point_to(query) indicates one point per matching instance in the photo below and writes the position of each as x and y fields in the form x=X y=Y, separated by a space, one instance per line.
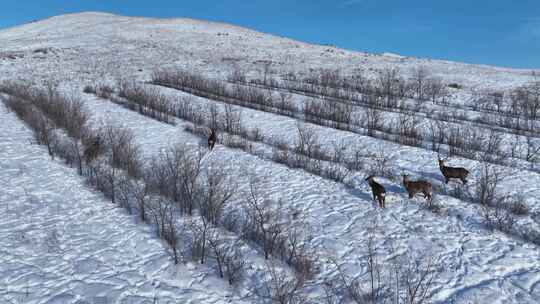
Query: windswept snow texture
x=63 y=243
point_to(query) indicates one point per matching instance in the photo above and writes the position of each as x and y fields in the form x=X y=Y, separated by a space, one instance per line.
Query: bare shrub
x=285 y=104
x=456 y=141
x=486 y=189
x=420 y=75
x=232 y=119
x=435 y=90
x=147 y=101
x=408 y=130
x=533 y=150
x=217 y=190
x=263 y=224
x=373 y=120
x=497 y=217
x=175 y=174
x=307 y=141
x=406 y=279
x=338 y=150
x=164 y=213
x=437 y=134
x=237 y=76
x=229 y=260
x=296 y=252
x=234 y=264
x=331 y=171
x=282 y=288
x=126 y=188
x=387 y=82
x=493 y=148
x=67 y=112
x=169 y=232
x=142 y=199
x=381 y=165
x=516 y=205
x=201 y=230
x=417 y=278
x=89 y=89
x=214 y=117
x=105 y=178
x=121 y=149
x=104 y=91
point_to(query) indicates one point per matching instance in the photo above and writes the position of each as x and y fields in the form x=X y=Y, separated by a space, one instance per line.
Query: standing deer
x=419 y=186
x=453 y=172
x=379 y=193
x=92 y=150
x=212 y=139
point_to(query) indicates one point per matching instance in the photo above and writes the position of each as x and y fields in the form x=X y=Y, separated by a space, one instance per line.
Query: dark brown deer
x=212 y=139
x=92 y=150
x=379 y=193
x=453 y=172
x=419 y=186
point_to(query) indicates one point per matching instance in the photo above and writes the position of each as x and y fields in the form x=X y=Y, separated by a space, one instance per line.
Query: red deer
x=419 y=186
x=212 y=139
x=379 y=193
x=453 y=172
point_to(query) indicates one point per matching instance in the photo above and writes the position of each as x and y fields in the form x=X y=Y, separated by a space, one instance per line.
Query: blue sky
x=495 y=32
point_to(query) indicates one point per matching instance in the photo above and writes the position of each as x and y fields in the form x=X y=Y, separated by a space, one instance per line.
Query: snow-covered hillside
x=64 y=242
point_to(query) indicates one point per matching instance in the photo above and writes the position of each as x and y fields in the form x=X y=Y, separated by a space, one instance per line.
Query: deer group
x=418 y=186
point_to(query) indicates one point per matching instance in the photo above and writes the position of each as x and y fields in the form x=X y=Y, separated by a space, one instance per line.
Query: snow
x=63 y=242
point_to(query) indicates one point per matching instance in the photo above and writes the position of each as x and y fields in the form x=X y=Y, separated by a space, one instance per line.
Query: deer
x=92 y=150
x=419 y=186
x=453 y=172
x=379 y=193
x=212 y=139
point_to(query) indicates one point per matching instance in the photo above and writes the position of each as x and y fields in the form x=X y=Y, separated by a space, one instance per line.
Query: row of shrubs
x=498 y=211
x=266 y=222
x=390 y=85
x=176 y=175
x=373 y=119
x=389 y=102
x=110 y=161
x=306 y=154
x=406 y=129
x=159 y=108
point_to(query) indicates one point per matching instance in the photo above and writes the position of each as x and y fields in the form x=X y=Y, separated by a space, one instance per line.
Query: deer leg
x=428 y=197
x=383 y=201
x=464 y=180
